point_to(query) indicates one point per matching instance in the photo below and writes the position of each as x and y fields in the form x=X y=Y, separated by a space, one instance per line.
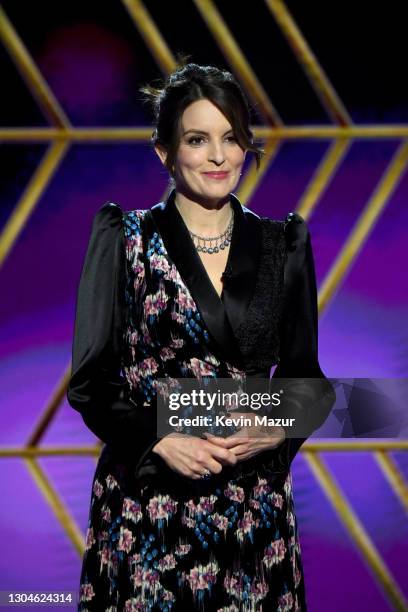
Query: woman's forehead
x=204 y=115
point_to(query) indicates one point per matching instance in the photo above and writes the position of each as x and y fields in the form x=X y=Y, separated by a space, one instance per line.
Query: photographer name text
x=225 y=421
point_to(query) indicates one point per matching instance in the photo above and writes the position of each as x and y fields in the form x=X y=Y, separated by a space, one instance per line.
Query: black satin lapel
x=182 y=252
x=243 y=263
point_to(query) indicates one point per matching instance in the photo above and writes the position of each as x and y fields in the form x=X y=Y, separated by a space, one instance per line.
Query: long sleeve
x=307 y=392
x=97 y=388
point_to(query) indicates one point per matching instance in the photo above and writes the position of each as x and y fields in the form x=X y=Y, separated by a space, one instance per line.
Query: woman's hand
x=193 y=457
x=249 y=441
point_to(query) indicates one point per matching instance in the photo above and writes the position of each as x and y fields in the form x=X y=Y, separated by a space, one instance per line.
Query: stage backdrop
x=326 y=82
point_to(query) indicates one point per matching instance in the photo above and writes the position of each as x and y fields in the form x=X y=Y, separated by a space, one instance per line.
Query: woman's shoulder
x=293 y=227
x=114 y=210
x=112 y=215
x=291 y=220
x=112 y=224
x=108 y=213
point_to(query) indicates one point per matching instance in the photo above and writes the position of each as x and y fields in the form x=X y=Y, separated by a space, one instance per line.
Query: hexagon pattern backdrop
x=76 y=135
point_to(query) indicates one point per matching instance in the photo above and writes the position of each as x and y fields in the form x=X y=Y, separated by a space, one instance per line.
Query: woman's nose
x=216 y=153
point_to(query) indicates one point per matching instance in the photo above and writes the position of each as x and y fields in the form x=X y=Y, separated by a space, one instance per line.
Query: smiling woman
x=204 y=150
x=196 y=286
x=190 y=85
x=206 y=169
x=209 y=158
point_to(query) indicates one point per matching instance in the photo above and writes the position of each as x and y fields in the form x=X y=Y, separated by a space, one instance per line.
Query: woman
x=197 y=286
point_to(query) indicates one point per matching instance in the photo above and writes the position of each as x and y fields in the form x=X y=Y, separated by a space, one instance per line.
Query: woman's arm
x=97 y=388
x=308 y=394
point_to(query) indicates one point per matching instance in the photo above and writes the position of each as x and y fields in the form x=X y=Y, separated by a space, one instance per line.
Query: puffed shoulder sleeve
x=299 y=329
x=309 y=394
x=97 y=388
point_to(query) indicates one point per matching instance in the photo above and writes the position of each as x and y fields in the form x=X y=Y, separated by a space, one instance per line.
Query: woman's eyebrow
x=203 y=132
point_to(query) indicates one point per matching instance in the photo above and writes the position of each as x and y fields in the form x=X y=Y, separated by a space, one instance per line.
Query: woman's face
x=209 y=159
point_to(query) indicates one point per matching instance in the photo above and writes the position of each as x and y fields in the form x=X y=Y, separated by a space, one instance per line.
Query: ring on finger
x=207 y=474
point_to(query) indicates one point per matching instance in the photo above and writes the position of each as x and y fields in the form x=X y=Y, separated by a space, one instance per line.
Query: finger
x=228 y=442
x=195 y=476
x=199 y=471
x=236 y=439
x=222 y=454
x=214 y=466
x=240 y=449
x=215 y=439
x=189 y=473
x=244 y=457
x=205 y=473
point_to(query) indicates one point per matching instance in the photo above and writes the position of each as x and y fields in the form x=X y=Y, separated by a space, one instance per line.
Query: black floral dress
x=146 y=310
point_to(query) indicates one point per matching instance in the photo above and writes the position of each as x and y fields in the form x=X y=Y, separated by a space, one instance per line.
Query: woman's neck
x=204 y=220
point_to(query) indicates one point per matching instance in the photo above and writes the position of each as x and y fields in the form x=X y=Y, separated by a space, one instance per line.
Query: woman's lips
x=216 y=175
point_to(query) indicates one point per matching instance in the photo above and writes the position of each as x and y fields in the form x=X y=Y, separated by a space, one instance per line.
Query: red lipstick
x=217 y=175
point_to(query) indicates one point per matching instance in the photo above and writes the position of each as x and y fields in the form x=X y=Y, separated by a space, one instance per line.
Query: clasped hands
x=195 y=457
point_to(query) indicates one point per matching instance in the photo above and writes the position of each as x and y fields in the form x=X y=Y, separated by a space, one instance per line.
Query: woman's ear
x=161 y=152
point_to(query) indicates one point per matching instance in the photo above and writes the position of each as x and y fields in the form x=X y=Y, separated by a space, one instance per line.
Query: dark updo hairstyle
x=187 y=84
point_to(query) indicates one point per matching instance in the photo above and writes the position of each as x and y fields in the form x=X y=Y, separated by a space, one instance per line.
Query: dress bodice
x=146 y=310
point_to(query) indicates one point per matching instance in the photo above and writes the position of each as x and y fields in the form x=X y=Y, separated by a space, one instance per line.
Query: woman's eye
x=194 y=139
x=198 y=139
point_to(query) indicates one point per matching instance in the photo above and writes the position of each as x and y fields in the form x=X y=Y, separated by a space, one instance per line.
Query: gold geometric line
x=253 y=176
x=127 y=134
x=370 y=444
x=57 y=506
x=30 y=73
x=322 y=177
x=314 y=446
x=229 y=47
x=151 y=35
x=309 y=62
x=394 y=476
x=357 y=531
x=51 y=409
x=312 y=131
x=364 y=225
x=76 y=135
x=22 y=452
x=25 y=206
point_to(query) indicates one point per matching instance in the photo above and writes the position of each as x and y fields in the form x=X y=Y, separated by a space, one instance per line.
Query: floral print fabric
x=233 y=548
x=227 y=544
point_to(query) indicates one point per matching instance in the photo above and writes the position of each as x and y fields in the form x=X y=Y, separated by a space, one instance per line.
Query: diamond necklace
x=213 y=244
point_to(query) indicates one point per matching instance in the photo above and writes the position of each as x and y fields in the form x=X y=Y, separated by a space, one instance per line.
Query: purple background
x=94 y=62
